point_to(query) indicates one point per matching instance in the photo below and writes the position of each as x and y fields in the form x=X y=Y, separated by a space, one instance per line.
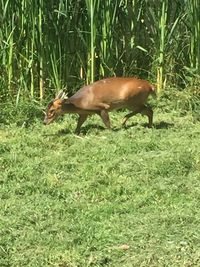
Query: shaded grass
x=74 y=201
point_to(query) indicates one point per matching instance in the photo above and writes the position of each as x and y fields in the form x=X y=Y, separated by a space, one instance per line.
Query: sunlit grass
x=127 y=197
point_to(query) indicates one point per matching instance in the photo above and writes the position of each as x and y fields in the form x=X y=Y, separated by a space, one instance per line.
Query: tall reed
x=46 y=46
x=194 y=27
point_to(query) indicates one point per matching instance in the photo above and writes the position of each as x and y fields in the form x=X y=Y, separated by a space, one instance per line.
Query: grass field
x=121 y=198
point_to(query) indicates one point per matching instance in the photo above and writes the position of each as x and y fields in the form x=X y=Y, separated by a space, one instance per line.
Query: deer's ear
x=61 y=95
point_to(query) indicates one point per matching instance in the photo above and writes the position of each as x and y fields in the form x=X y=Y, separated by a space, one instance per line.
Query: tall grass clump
x=192 y=69
x=47 y=46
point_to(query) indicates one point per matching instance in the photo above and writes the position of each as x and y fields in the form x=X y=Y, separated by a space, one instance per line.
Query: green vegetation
x=122 y=198
x=49 y=45
x=127 y=197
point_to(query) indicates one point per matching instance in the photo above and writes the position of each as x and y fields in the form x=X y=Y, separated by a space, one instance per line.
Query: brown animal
x=101 y=97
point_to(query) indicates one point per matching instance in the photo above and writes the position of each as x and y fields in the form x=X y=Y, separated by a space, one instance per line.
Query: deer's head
x=54 y=108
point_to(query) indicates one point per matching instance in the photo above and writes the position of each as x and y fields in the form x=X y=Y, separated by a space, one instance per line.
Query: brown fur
x=104 y=96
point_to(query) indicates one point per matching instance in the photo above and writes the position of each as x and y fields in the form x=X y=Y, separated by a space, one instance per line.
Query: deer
x=101 y=97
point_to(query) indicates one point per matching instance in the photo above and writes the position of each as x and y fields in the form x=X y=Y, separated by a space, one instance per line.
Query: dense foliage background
x=55 y=44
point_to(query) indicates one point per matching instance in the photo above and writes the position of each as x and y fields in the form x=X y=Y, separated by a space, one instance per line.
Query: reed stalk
x=194 y=26
x=40 y=32
x=161 y=59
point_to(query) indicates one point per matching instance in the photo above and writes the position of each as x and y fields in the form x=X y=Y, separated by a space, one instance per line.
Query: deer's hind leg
x=144 y=110
x=149 y=113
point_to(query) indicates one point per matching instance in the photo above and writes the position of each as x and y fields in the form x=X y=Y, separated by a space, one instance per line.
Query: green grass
x=71 y=201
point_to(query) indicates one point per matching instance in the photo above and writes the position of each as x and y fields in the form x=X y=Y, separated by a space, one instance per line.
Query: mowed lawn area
x=121 y=198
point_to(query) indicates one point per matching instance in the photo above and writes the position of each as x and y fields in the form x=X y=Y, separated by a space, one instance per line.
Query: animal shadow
x=159 y=125
x=84 y=130
x=63 y=132
x=88 y=127
x=163 y=125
